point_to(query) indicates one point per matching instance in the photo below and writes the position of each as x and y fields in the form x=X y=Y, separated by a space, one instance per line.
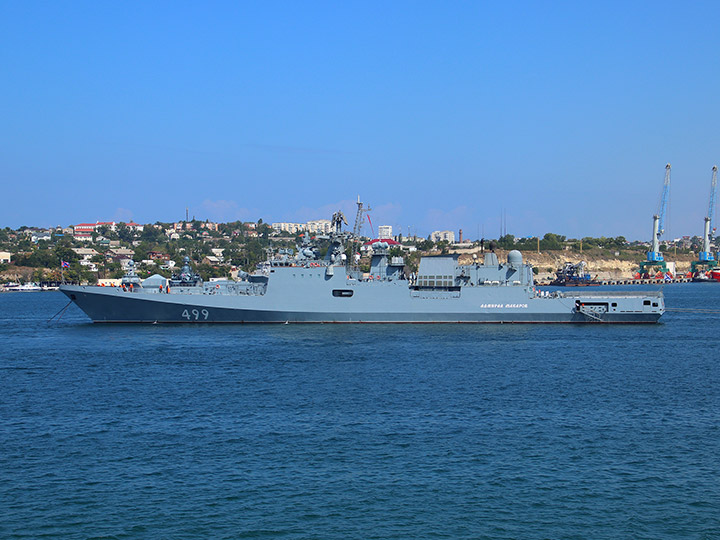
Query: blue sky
x=438 y=114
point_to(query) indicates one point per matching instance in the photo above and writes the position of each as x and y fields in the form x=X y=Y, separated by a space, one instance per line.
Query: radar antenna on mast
x=338 y=218
x=362 y=210
x=359 y=217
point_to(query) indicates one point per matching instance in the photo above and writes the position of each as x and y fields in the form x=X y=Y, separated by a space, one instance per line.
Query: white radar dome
x=515 y=258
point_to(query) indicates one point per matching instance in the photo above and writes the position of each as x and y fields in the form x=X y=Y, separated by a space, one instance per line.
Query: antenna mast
x=359 y=218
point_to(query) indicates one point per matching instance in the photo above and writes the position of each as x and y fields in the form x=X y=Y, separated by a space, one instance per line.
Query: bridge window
x=342 y=293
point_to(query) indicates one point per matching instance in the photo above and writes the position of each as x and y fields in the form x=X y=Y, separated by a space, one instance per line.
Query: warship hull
x=369 y=303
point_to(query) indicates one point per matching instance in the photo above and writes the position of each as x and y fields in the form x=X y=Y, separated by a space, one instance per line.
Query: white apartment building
x=85 y=253
x=438 y=236
x=135 y=226
x=319 y=226
x=385 y=232
x=83 y=231
x=38 y=236
x=291 y=228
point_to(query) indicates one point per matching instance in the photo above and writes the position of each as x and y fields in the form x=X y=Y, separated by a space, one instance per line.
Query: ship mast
x=359 y=218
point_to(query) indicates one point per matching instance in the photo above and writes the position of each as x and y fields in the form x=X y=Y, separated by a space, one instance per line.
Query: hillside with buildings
x=87 y=252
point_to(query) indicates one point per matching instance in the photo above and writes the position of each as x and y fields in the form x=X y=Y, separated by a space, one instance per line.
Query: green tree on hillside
x=125 y=233
x=551 y=242
x=506 y=241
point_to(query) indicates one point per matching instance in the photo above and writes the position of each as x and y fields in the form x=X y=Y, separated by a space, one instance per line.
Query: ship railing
x=252 y=290
x=612 y=294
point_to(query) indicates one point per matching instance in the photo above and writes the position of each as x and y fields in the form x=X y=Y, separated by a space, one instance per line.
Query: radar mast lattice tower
x=359 y=217
x=353 y=260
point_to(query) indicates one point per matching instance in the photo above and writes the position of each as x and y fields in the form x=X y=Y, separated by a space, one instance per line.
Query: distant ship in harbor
x=708 y=276
x=574 y=275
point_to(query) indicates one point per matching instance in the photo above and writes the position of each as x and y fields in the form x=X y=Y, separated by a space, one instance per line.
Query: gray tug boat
x=297 y=286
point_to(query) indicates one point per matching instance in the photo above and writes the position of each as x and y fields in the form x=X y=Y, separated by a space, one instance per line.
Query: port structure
x=655 y=262
x=706 y=260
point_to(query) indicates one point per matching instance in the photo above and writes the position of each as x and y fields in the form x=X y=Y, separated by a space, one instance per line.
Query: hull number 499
x=195 y=314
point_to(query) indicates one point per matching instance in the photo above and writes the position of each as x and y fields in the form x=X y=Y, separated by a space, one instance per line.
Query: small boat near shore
x=25 y=287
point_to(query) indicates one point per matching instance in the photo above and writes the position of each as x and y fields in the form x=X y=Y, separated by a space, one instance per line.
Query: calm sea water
x=325 y=431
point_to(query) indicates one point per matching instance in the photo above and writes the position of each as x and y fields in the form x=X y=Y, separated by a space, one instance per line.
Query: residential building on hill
x=83 y=236
x=135 y=226
x=316 y=226
x=157 y=256
x=37 y=236
x=321 y=226
x=83 y=231
x=85 y=254
x=292 y=228
x=385 y=232
x=439 y=236
x=118 y=253
x=212 y=260
x=83 y=228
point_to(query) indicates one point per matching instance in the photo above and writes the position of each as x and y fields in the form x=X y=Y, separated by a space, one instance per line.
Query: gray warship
x=299 y=286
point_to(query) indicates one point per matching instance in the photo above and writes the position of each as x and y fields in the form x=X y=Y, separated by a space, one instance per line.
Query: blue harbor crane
x=655 y=260
x=706 y=260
